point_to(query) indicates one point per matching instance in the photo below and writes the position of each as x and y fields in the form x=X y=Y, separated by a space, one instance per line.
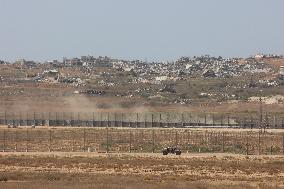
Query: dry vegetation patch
x=140 y=171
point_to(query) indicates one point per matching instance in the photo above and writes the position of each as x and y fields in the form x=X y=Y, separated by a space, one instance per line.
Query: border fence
x=139 y=140
x=141 y=120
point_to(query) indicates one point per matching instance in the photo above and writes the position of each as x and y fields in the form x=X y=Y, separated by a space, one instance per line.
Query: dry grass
x=139 y=171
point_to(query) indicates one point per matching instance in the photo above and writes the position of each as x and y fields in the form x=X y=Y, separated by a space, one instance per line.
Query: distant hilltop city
x=188 y=80
x=206 y=66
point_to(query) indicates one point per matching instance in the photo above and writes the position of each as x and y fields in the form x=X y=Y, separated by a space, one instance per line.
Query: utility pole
x=260 y=114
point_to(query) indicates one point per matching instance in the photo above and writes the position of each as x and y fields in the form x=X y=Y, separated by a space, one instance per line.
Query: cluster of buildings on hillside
x=155 y=72
x=207 y=65
x=153 y=80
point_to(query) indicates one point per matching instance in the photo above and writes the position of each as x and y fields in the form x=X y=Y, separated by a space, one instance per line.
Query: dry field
x=93 y=170
x=58 y=158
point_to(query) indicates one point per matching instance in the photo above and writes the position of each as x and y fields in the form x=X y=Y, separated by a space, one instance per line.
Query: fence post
x=108 y=123
x=34 y=121
x=145 y=120
x=182 y=120
x=42 y=119
x=228 y=117
x=5 y=118
x=107 y=139
x=63 y=119
x=271 y=144
x=115 y=118
x=153 y=140
x=84 y=140
x=187 y=136
x=259 y=142
x=101 y=119
x=49 y=119
x=16 y=140
x=122 y=117
x=4 y=140
x=160 y=120
x=152 y=119
x=187 y=140
x=137 y=119
x=73 y=141
x=247 y=144
x=50 y=140
x=213 y=120
x=27 y=142
x=223 y=142
x=20 y=122
x=130 y=138
x=283 y=142
x=176 y=139
x=274 y=122
x=13 y=119
x=267 y=122
x=79 y=119
x=205 y=119
x=198 y=120
x=93 y=119
x=56 y=118
x=27 y=118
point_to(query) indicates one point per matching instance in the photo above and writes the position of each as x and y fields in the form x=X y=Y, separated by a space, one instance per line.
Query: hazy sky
x=152 y=29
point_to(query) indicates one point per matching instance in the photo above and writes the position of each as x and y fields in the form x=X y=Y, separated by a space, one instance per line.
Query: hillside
x=205 y=83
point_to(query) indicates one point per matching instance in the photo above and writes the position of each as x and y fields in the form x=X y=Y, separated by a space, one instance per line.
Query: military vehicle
x=171 y=150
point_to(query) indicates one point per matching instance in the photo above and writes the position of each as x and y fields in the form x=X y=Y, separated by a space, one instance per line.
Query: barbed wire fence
x=139 y=140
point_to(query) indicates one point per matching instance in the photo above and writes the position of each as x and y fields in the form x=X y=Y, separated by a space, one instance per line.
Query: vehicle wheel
x=178 y=153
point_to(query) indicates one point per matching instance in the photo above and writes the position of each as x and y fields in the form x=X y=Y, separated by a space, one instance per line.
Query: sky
x=152 y=30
